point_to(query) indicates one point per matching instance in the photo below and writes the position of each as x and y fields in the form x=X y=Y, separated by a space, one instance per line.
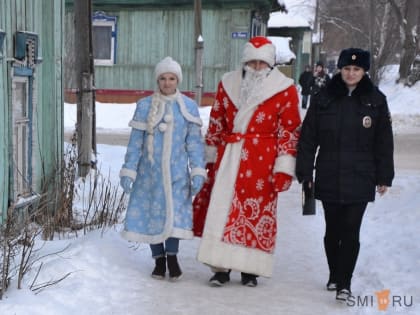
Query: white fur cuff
x=285 y=164
x=127 y=172
x=137 y=125
x=199 y=171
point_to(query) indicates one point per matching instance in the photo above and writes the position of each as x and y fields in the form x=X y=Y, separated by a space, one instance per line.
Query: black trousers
x=341 y=240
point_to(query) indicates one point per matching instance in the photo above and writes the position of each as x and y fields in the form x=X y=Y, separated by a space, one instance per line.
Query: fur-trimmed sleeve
x=137 y=136
x=289 y=131
x=217 y=125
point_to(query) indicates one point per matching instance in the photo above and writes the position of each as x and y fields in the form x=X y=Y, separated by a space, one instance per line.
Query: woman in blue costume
x=163 y=169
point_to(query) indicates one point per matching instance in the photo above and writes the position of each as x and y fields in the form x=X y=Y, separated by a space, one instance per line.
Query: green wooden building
x=31 y=98
x=131 y=36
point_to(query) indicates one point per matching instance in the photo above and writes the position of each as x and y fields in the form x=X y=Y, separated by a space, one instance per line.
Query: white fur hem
x=218 y=254
x=285 y=164
x=127 y=172
x=156 y=239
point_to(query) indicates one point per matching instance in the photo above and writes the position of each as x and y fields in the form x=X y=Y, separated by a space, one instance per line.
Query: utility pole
x=316 y=51
x=371 y=47
x=85 y=84
x=199 y=50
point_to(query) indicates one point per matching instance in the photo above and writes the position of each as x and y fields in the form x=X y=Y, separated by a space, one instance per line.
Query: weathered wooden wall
x=44 y=17
x=145 y=36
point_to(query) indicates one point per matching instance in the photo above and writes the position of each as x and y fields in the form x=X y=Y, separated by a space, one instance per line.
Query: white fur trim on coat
x=127 y=172
x=141 y=238
x=285 y=164
x=185 y=112
x=199 y=171
x=137 y=125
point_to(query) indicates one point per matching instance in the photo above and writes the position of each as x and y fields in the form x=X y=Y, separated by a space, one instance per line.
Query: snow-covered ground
x=112 y=276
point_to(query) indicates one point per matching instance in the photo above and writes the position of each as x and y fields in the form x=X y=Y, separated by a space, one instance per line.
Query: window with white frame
x=104 y=31
x=21 y=135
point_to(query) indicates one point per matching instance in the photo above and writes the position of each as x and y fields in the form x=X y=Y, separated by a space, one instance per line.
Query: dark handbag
x=308 y=198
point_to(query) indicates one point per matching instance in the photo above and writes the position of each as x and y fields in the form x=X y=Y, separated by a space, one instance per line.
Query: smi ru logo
x=382 y=300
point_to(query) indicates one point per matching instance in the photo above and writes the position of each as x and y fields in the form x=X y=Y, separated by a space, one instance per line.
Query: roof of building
x=280 y=19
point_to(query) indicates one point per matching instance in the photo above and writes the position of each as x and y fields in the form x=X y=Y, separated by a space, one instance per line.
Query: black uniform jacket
x=351 y=139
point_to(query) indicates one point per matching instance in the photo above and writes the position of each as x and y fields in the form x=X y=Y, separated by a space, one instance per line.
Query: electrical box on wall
x=26 y=47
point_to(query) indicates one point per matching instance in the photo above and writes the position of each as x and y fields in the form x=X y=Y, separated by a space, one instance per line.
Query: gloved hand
x=307 y=187
x=126 y=184
x=281 y=182
x=196 y=184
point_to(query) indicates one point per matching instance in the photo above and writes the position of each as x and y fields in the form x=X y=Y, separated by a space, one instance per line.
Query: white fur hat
x=259 y=48
x=166 y=65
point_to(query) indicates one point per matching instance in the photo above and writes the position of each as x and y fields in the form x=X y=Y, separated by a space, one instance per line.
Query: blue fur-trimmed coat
x=160 y=204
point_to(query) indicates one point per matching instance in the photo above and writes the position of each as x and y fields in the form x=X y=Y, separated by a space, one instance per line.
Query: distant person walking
x=321 y=78
x=306 y=80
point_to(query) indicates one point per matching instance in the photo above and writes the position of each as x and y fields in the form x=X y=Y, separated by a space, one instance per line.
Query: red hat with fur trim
x=259 y=48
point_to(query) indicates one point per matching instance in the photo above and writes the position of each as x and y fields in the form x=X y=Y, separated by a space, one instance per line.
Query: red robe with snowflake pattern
x=249 y=146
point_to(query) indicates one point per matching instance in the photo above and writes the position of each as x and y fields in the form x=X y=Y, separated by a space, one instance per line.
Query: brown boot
x=175 y=272
x=160 y=268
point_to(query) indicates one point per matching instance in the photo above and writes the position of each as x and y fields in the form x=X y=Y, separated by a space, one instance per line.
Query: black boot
x=175 y=272
x=160 y=268
x=220 y=278
x=248 y=279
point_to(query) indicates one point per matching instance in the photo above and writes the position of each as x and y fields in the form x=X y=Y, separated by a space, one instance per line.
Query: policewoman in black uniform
x=347 y=138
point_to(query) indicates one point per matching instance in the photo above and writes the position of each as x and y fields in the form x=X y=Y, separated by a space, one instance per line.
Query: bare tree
x=371 y=25
x=385 y=42
x=408 y=16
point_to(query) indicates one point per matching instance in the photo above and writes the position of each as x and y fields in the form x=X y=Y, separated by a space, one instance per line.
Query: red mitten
x=282 y=182
x=201 y=202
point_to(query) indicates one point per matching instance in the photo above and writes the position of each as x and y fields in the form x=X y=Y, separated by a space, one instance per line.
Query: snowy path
x=112 y=276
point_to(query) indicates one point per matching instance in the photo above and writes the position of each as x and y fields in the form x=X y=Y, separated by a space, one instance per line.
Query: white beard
x=252 y=85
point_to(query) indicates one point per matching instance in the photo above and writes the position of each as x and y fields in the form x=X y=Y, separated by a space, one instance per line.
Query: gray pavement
x=407 y=151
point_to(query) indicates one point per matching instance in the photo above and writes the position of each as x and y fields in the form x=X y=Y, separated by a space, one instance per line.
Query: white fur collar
x=274 y=83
